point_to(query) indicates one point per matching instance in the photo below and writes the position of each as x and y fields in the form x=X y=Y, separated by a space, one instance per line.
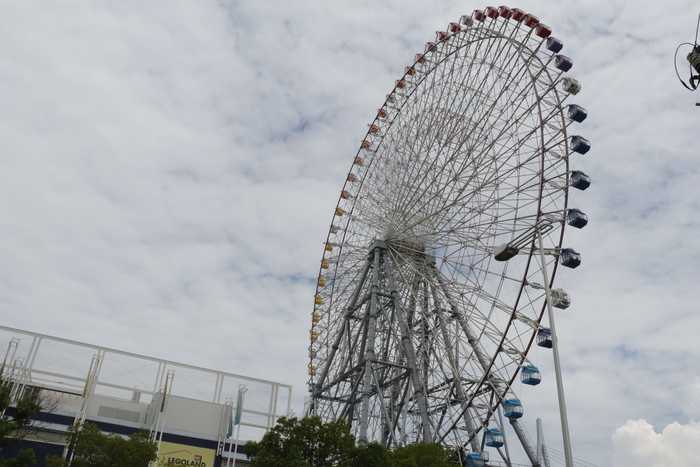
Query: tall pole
x=239 y=414
x=557 y=366
x=540 y=440
x=505 y=438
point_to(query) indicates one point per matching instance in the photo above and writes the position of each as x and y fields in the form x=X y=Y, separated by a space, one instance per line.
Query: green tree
x=372 y=455
x=25 y=458
x=421 y=455
x=92 y=448
x=15 y=428
x=306 y=442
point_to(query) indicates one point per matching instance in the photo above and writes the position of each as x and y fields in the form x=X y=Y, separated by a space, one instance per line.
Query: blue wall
x=41 y=450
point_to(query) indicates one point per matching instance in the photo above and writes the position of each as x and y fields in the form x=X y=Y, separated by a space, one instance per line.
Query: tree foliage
x=372 y=455
x=25 y=458
x=421 y=455
x=15 y=427
x=18 y=425
x=92 y=448
x=308 y=442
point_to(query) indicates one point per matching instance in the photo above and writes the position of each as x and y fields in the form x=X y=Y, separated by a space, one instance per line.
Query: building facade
x=196 y=415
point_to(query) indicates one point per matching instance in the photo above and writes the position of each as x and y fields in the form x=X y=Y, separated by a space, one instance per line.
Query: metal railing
x=62 y=365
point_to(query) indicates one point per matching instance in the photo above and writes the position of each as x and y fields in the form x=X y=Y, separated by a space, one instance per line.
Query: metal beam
x=524 y=441
x=459 y=317
x=456 y=377
x=568 y=456
x=410 y=352
x=336 y=343
x=505 y=438
x=369 y=355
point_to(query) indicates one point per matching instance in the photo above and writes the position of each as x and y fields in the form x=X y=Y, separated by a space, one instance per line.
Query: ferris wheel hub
x=407 y=246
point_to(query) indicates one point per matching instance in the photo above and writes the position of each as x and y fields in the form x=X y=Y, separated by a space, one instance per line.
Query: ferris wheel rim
x=540 y=214
x=539 y=211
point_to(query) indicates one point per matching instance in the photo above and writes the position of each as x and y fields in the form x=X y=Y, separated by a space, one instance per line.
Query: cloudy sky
x=170 y=170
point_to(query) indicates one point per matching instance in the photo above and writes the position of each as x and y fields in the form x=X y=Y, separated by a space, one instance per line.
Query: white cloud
x=169 y=169
x=636 y=443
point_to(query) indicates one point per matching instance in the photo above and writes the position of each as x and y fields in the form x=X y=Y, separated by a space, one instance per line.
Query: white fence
x=63 y=365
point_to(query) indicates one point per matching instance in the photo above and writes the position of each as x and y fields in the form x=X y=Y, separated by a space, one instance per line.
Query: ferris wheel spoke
x=488 y=228
x=467 y=74
x=434 y=161
x=465 y=327
x=421 y=108
x=480 y=92
x=483 y=82
x=485 y=321
x=518 y=223
x=516 y=121
x=454 y=202
x=457 y=202
x=420 y=116
x=533 y=157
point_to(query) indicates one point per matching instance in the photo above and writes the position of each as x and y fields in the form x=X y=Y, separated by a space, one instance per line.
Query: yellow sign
x=181 y=455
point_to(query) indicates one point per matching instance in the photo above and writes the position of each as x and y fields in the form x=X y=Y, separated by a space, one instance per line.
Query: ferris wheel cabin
x=576 y=218
x=563 y=63
x=530 y=374
x=571 y=85
x=493 y=438
x=477 y=459
x=579 y=180
x=513 y=408
x=580 y=144
x=544 y=338
x=570 y=258
x=576 y=113
x=560 y=299
x=554 y=44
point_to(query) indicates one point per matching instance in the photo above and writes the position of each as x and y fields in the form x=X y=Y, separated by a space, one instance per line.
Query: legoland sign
x=181 y=455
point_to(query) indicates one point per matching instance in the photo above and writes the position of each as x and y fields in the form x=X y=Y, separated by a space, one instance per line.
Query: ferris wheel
x=440 y=260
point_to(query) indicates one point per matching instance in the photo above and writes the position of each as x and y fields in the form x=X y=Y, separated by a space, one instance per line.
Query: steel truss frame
x=393 y=377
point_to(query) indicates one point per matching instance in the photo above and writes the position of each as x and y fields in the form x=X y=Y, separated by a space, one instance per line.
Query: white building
x=191 y=411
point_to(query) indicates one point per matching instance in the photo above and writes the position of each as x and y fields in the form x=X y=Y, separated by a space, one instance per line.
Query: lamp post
x=510 y=250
